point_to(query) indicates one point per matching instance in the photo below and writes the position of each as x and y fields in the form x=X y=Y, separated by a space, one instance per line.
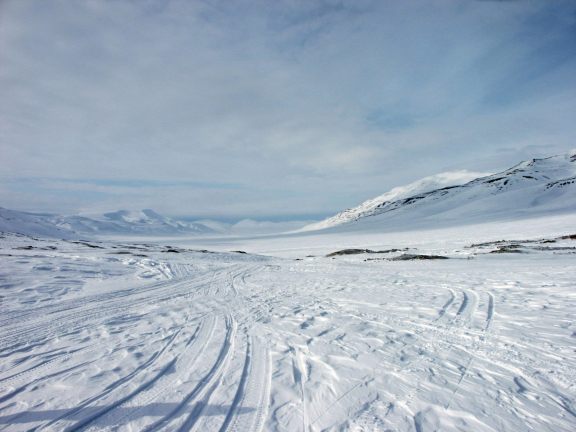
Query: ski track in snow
x=246 y=343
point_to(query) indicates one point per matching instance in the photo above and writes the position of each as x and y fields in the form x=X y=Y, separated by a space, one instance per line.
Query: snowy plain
x=142 y=335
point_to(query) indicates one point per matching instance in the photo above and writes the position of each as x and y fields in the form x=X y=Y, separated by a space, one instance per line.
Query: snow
x=129 y=335
x=143 y=223
x=26 y=223
x=536 y=187
x=121 y=222
x=427 y=184
x=245 y=227
x=254 y=227
x=446 y=309
x=124 y=222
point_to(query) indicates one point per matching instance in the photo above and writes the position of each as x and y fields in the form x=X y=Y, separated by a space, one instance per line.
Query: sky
x=285 y=109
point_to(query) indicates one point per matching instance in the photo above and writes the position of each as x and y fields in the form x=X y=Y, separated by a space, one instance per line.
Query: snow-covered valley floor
x=144 y=337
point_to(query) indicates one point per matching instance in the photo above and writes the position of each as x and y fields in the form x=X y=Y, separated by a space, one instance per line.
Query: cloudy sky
x=272 y=109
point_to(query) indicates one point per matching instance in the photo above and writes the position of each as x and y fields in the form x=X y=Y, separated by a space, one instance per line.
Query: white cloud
x=319 y=104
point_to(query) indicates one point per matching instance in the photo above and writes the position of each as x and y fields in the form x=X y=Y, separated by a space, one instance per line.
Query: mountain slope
x=31 y=224
x=122 y=222
x=531 y=187
x=145 y=222
x=370 y=207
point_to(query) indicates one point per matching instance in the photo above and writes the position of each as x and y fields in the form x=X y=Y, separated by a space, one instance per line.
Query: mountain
x=123 y=222
x=537 y=186
x=145 y=222
x=31 y=224
x=248 y=227
x=418 y=187
x=254 y=227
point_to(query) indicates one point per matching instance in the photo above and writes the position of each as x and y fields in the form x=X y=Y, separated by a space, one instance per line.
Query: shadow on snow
x=155 y=410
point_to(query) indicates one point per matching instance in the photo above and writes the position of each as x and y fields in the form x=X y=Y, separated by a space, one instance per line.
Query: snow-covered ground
x=138 y=336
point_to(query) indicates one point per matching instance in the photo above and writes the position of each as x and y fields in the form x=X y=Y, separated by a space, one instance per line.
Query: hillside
x=534 y=187
x=122 y=222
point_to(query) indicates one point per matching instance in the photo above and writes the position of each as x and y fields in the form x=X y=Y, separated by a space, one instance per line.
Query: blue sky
x=272 y=109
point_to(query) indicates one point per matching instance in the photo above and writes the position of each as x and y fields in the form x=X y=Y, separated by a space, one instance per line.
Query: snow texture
x=361 y=327
x=144 y=336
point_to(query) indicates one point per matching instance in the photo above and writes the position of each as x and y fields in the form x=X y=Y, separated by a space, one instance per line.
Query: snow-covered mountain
x=31 y=224
x=534 y=187
x=247 y=227
x=537 y=186
x=122 y=222
x=146 y=222
x=370 y=207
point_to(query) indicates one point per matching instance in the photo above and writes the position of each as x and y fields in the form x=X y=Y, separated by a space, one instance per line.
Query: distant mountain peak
x=121 y=222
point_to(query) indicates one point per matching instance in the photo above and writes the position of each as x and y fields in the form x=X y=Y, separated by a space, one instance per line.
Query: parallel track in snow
x=318 y=345
x=168 y=378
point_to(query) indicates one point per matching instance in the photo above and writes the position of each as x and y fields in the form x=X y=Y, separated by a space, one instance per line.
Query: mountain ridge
x=122 y=222
x=540 y=178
